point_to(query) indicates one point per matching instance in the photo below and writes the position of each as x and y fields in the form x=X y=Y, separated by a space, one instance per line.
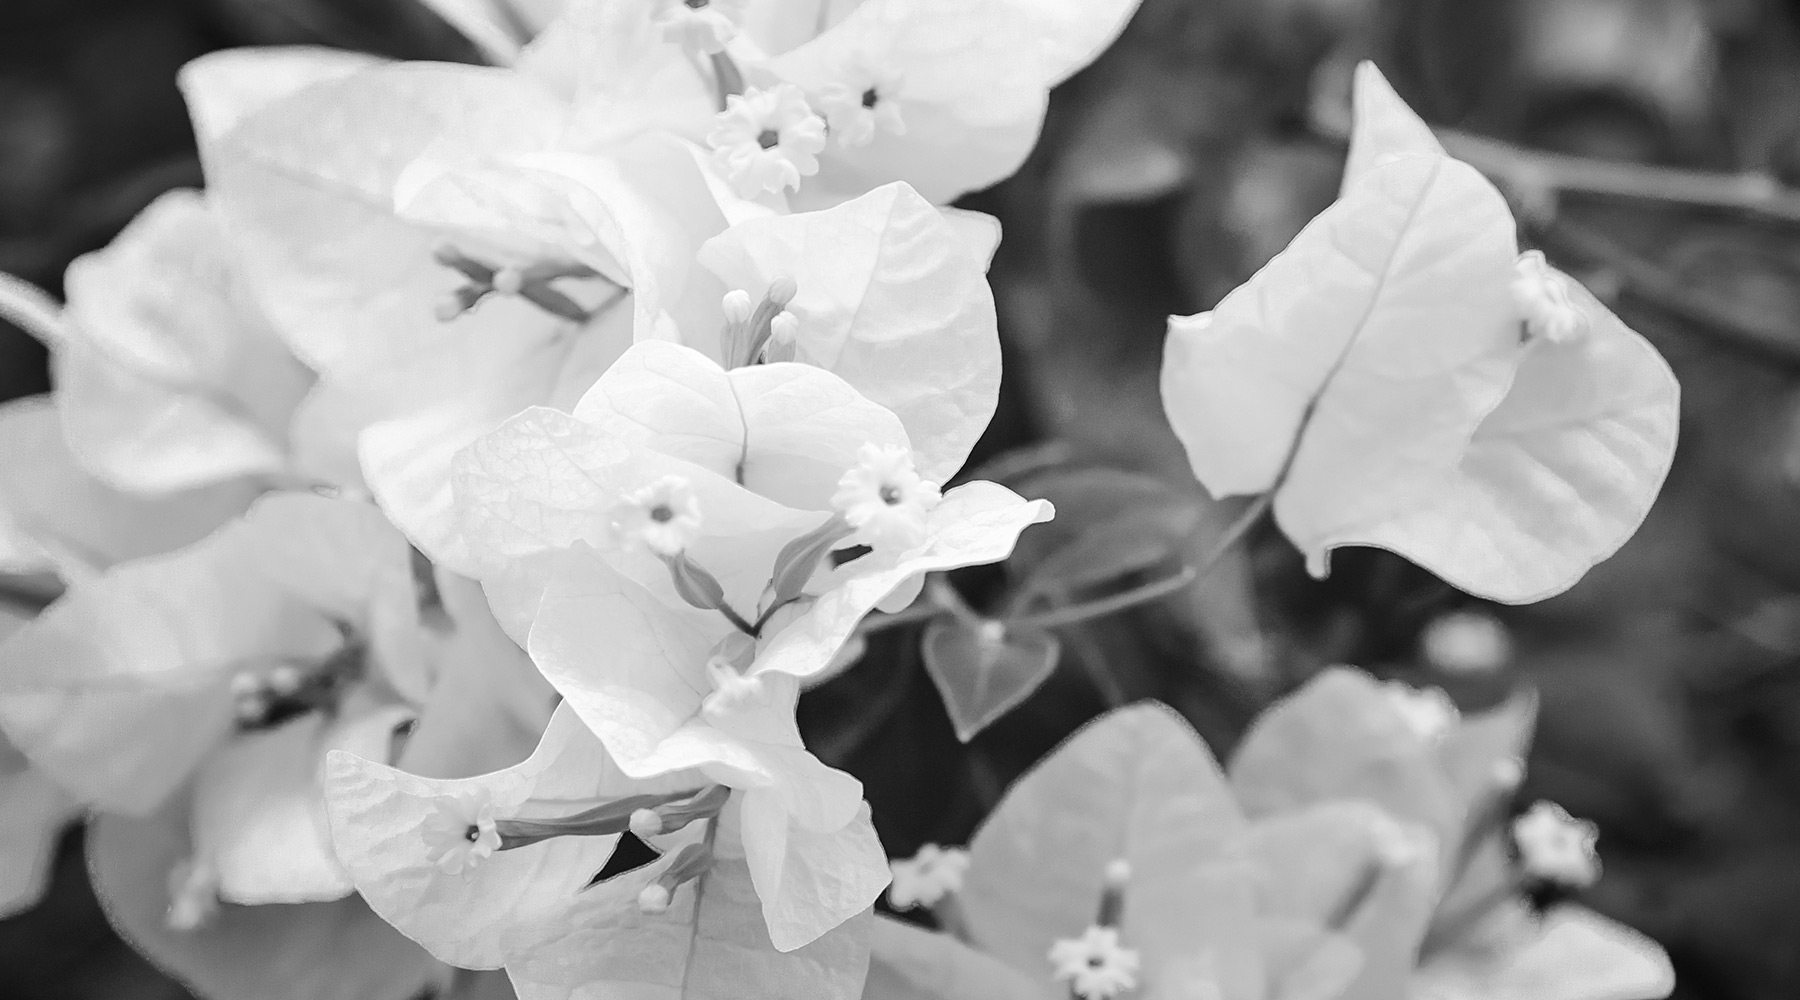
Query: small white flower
x=1094 y=964
x=1466 y=642
x=664 y=516
x=927 y=876
x=1556 y=847
x=461 y=834
x=1428 y=712
x=193 y=895
x=766 y=140
x=1544 y=300
x=702 y=27
x=732 y=691
x=884 y=499
x=865 y=101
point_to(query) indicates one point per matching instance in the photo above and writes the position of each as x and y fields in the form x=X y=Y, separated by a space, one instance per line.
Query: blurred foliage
x=1169 y=171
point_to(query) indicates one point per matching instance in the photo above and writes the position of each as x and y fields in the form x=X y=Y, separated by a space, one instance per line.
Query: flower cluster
x=1340 y=854
x=439 y=517
x=619 y=376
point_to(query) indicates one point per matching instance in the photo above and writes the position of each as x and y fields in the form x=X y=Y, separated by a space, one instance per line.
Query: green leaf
x=1137 y=784
x=983 y=674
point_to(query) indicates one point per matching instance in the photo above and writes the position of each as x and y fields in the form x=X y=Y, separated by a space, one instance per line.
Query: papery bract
x=889 y=299
x=1386 y=338
x=170 y=378
x=532 y=908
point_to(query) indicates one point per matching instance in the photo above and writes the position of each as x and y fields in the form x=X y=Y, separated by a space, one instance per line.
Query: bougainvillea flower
x=169 y=377
x=1400 y=376
x=946 y=95
x=530 y=902
x=1130 y=845
x=232 y=666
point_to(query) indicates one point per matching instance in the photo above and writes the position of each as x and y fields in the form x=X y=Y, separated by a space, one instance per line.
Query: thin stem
x=1548 y=174
x=31 y=309
x=1072 y=613
x=1246 y=520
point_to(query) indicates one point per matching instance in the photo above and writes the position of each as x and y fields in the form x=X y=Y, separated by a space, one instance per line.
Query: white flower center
x=663 y=517
x=461 y=833
x=766 y=140
x=884 y=499
x=1095 y=965
x=863 y=102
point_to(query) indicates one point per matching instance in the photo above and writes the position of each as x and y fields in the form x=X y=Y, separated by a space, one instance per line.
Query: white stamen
x=737 y=306
x=645 y=823
x=653 y=899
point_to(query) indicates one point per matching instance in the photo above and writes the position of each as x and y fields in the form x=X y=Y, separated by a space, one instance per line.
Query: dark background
x=1168 y=172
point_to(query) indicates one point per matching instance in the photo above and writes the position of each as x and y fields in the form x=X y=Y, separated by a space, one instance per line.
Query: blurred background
x=1169 y=171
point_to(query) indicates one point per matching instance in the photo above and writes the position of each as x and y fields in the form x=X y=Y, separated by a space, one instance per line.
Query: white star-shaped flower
x=461 y=834
x=1543 y=298
x=864 y=102
x=927 y=876
x=664 y=516
x=1095 y=965
x=766 y=140
x=1556 y=847
x=884 y=499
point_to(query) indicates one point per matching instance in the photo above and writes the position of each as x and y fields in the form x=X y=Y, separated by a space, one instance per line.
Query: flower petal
x=976 y=523
x=810 y=881
x=377 y=813
x=710 y=943
x=309 y=951
x=1137 y=784
x=891 y=300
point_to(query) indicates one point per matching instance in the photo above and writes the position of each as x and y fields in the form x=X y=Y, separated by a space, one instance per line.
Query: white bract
x=1277 y=882
x=170 y=378
x=690 y=919
x=692 y=661
x=210 y=683
x=1401 y=377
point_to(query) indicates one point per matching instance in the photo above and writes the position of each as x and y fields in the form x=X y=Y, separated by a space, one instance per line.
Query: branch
x=1539 y=173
